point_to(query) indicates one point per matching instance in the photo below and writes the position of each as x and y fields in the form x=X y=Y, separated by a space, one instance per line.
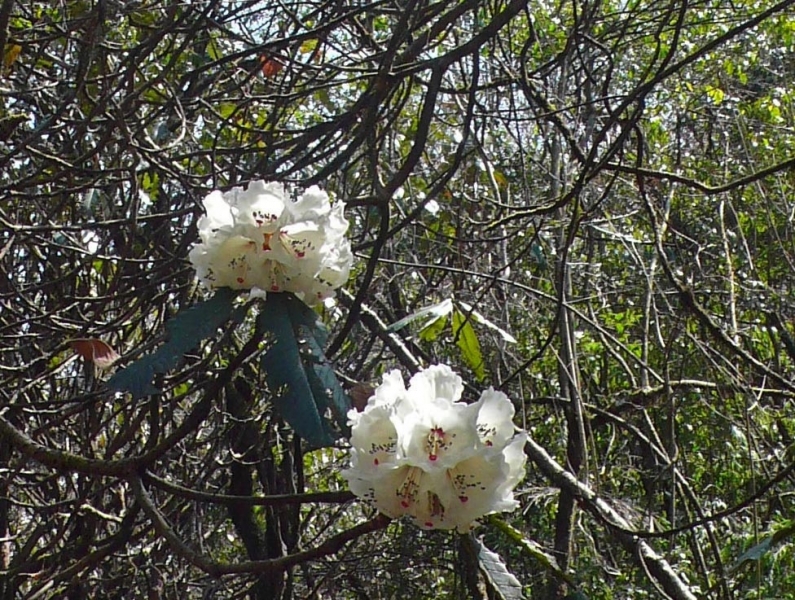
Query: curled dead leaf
x=95 y=350
x=270 y=65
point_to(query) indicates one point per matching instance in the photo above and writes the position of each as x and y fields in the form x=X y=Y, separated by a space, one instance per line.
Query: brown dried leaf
x=95 y=350
x=270 y=65
x=360 y=393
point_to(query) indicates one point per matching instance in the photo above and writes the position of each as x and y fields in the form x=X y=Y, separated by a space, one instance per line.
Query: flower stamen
x=266 y=244
x=410 y=487
x=436 y=442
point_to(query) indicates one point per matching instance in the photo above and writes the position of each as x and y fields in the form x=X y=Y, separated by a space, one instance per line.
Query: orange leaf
x=270 y=65
x=10 y=55
x=94 y=350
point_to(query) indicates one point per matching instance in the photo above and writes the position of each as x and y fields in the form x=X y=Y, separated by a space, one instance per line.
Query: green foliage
x=461 y=316
x=301 y=380
x=183 y=334
x=566 y=174
x=467 y=341
x=758 y=552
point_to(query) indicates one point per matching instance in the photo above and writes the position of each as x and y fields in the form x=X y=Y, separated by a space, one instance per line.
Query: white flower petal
x=495 y=418
x=437 y=438
x=421 y=453
x=374 y=441
x=230 y=263
x=261 y=206
x=337 y=223
x=298 y=247
x=300 y=239
x=516 y=461
x=313 y=204
x=428 y=510
x=391 y=390
x=478 y=483
x=218 y=212
x=436 y=383
x=386 y=493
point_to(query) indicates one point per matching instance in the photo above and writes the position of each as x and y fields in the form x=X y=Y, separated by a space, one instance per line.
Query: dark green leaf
x=184 y=332
x=759 y=550
x=136 y=378
x=755 y=553
x=312 y=336
x=301 y=379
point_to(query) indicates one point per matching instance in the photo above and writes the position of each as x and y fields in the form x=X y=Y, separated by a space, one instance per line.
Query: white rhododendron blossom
x=421 y=453
x=259 y=239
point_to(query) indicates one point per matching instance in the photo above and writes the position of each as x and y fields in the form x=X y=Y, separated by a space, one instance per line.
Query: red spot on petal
x=432 y=457
x=404 y=503
x=428 y=524
x=240 y=280
x=464 y=498
x=300 y=254
x=375 y=462
x=489 y=443
x=274 y=288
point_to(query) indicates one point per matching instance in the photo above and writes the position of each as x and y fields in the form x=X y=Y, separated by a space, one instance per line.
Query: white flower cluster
x=258 y=239
x=421 y=453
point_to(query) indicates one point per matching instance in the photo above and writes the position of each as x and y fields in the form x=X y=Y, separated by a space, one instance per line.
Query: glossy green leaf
x=479 y=318
x=301 y=380
x=183 y=334
x=467 y=341
x=757 y=552
x=434 y=311
x=433 y=329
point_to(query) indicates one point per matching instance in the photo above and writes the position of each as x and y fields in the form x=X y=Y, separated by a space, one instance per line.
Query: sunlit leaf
x=501 y=580
x=467 y=341
x=150 y=184
x=715 y=94
x=436 y=310
x=308 y=46
x=214 y=50
x=433 y=329
x=484 y=321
